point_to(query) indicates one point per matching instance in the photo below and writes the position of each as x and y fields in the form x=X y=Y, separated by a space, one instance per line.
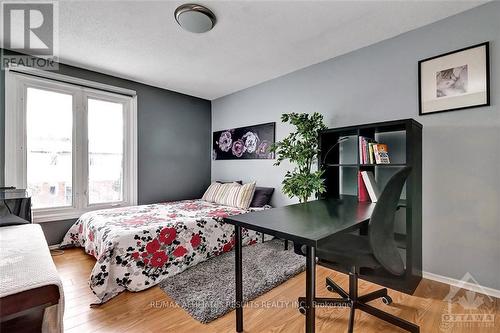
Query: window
x=72 y=147
x=105 y=159
x=49 y=147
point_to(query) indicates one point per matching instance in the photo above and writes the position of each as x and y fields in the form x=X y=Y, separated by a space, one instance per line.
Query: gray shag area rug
x=207 y=290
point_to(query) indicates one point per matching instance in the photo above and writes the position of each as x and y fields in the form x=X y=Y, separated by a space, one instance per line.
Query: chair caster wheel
x=302 y=307
x=387 y=300
x=330 y=289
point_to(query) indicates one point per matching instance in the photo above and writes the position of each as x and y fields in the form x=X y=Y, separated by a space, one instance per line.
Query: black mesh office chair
x=377 y=249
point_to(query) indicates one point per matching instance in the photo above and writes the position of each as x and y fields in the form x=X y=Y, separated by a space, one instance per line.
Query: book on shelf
x=372 y=152
x=360 y=148
x=381 y=154
x=371 y=186
x=362 y=191
x=365 y=155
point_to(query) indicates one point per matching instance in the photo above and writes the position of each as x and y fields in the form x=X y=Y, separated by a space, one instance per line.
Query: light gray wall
x=461 y=178
x=173 y=150
x=2 y=127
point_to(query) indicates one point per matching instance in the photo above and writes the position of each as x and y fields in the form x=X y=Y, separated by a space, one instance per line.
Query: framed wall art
x=455 y=81
x=250 y=142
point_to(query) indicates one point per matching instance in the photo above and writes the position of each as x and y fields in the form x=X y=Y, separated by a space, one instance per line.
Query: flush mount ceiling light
x=195 y=18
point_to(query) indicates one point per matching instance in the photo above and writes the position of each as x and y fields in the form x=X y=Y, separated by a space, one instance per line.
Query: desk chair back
x=381 y=226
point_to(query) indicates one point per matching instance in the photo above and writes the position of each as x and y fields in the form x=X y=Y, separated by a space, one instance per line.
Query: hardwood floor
x=153 y=311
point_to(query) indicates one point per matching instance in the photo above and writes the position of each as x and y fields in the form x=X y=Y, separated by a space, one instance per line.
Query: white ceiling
x=252 y=42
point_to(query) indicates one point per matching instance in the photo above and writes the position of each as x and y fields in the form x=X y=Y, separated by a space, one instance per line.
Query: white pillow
x=230 y=194
x=211 y=192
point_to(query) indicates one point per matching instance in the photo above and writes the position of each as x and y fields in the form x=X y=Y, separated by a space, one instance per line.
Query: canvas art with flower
x=251 y=142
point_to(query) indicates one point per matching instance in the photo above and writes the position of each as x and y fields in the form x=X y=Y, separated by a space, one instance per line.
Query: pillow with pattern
x=230 y=194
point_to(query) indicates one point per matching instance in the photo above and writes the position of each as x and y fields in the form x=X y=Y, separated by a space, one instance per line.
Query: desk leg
x=239 y=279
x=310 y=288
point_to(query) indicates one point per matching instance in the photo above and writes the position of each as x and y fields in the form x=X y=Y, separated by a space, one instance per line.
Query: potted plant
x=301 y=149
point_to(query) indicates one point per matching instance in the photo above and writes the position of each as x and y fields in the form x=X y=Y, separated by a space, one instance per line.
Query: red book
x=362 y=191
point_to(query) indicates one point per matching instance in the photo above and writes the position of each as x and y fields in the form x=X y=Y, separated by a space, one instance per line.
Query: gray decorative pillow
x=229 y=181
x=262 y=196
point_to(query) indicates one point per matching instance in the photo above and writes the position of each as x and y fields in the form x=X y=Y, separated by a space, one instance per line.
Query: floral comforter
x=137 y=247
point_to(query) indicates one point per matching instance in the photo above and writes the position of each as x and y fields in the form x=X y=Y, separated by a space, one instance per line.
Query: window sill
x=43 y=216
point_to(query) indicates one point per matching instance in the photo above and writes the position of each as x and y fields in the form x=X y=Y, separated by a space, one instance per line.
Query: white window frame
x=16 y=84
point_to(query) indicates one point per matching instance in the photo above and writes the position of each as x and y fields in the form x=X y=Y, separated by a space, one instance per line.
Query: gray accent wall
x=461 y=154
x=173 y=150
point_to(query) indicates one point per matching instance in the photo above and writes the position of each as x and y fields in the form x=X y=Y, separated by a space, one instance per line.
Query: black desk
x=307 y=224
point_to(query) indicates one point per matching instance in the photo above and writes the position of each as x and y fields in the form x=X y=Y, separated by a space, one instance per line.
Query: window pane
x=105 y=128
x=49 y=147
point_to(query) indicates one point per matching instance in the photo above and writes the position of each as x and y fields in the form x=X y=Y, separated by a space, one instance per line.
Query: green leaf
x=301 y=149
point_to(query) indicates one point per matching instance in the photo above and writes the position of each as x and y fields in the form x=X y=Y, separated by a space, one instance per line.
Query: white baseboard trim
x=54 y=247
x=462 y=284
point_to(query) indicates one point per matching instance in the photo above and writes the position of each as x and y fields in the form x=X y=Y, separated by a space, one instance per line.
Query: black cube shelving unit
x=341 y=164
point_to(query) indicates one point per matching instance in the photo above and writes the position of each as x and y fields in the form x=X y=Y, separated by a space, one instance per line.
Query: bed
x=137 y=247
